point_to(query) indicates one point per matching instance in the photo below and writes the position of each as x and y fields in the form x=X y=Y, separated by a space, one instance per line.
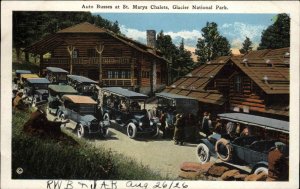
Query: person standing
x=278 y=168
x=179 y=130
x=163 y=119
x=206 y=124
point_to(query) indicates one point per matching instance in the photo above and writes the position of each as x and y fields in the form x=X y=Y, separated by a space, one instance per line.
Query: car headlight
x=140 y=124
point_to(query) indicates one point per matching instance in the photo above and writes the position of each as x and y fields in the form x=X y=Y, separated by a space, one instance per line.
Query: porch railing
x=90 y=60
x=119 y=82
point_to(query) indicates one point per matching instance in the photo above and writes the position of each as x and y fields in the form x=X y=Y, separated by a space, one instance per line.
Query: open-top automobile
x=83 y=112
x=85 y=86
x=173 y=104
x=56 y=75
x=251 y=149
x=55 y=94
x=127 y=108
x=36 y=89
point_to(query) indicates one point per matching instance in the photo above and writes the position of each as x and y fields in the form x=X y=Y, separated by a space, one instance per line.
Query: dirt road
x=161 y=155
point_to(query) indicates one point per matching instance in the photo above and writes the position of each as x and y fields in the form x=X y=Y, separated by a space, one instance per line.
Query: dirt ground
x=160 y=155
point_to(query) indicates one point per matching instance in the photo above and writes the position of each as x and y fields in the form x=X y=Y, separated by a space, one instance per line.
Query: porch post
x=132 y=72
x=70 y=49
x=99 y=48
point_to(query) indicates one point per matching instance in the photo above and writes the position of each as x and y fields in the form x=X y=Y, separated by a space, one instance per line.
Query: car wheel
x=203 y=153
x=260 y=169
x=105 y=132
x=81 y=131
x=156 y=132
x=131 y=130
x=224 y=149
x=62 y=117
x=106 y=117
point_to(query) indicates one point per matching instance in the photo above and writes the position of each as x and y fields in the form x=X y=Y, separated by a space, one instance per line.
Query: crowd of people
x=188 y=127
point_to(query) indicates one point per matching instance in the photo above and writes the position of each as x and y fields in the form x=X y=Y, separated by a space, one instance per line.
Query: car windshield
x=40 y=86
x=86 y=109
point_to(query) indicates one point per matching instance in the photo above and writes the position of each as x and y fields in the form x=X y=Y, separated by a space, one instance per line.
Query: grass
x=45 y=158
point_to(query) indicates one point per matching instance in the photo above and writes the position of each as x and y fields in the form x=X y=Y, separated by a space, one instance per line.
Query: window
x=75 y=53
x=145 y=74
x=118 y=74
x=110 y=74
x=91 y=53
x=238 y=84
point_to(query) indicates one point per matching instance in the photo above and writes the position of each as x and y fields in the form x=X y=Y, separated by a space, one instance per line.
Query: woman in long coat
x=179 y=130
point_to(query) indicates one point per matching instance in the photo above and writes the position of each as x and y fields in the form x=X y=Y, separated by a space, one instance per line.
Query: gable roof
x=270 y=71
x=53 y=40
x=193 y=84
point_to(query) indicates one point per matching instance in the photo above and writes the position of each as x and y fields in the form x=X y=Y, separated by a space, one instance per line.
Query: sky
x=235 y=27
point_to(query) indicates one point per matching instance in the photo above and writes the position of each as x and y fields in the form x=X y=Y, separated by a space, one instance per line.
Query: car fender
x=259 y=164
x=83 y=123
x=133 y=121
x=59 y=112
x=210 y=146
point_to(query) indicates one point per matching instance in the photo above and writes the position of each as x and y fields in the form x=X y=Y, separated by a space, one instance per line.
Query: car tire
x=260 y=169
x=106 y=117
x=131 y=130
x=224 y=150
x=105 y=132
x=156 y=132
x=81 y=131
x=62 y=117
x=203 y=153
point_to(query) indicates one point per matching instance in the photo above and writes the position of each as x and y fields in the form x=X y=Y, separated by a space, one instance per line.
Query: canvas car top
x=56 y=70
x=82 y=79
x=26 y=76
x=62 y=88
x=38 y=80
x=23 y=72
x=79 y=99
x=268 y=123
x=125 y=93
x=173 y=96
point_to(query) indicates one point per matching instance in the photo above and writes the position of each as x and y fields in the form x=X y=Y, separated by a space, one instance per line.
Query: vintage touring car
x=56 y=75
x=85 y=86
x=55 y=94
x=123 y=106
x=36 y=89
x=173 y=104
x=251 y=150
x=83 y=111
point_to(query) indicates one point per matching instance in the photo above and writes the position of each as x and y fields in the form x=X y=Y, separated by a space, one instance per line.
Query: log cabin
x=113 y=60
x=256 y=83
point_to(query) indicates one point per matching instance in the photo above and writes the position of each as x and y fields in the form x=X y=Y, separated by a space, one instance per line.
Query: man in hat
x=18 y=102
x=278 y=168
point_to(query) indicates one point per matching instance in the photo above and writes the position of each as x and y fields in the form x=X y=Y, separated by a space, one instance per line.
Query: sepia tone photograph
x=130 y=99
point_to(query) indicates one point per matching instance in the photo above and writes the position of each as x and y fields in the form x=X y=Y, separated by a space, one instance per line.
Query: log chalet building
x=104 y=56
x=256 y=83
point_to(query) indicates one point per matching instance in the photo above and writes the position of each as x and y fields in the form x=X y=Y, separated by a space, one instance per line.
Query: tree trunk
x=26 y=57
x=18 y=54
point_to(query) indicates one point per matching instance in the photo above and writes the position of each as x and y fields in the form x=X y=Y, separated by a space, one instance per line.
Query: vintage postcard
x=149 y=94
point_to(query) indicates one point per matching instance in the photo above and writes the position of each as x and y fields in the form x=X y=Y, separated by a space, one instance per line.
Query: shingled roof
x=52 y=41
x=194 y=83
x=269 y=71
x=268 y=68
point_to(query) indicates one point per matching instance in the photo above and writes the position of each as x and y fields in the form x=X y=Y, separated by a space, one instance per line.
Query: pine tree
x=183 y=61
x=212 y=44
x=276 y=35
x=247 y=46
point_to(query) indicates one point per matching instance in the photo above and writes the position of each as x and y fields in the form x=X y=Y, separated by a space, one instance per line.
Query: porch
x=89 y=67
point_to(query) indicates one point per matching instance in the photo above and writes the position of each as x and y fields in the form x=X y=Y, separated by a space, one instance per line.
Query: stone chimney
x=151 y=38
